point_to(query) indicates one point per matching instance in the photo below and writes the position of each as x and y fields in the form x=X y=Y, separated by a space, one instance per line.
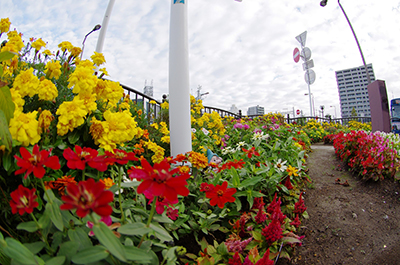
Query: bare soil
x=355 y=224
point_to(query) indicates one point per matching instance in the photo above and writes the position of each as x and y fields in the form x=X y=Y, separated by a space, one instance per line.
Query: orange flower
x=60 y=184
x=108 y=182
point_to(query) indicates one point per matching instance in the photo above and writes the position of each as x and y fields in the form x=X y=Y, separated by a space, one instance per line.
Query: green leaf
x=5 y=136
x=222 y=249
x=73 y=137
x=18 y=252
x=7 y=161
x=235 y=178
x=35 y=247
x=135 y=229
x=28 y=226
x=55 y=214
x=290 y=240
x=109 y=240
x=163 y=219
x=56 y=260
x=68 y=250
x=161 y=233
x=6 y=103
x=90 y=255
x=44 y=220
x=251 y=181
x=6 y=55
x=79 y=236
x=138 y=255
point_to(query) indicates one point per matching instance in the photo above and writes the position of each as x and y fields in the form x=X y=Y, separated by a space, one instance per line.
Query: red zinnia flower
x=251 y=152
x=172 y=213
x=35 y=162
x=159 y=180
x=23 y=200
x=88 y=196
x=236 y=164
x=206 y=187
x=120 y=156
x=221 y=195
x=83 y=156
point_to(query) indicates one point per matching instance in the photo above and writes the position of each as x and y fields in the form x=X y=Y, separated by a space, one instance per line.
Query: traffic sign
x=305 y=54
x=308 y=65
x=298 y=112
x=296 y=55
x=302 y=38
x=309 y=76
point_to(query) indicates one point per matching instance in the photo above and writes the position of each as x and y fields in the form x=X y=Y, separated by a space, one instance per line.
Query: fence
x=139 y=98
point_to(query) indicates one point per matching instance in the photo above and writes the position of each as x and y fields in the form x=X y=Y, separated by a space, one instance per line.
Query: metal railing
x=140 y=97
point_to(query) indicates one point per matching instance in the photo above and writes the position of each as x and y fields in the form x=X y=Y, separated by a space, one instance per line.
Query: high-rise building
x=234 y=109
x=256 y=110
x=353 y=92
x=148 y=90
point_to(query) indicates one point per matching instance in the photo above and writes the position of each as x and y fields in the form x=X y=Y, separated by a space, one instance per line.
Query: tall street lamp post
x=323 y=3
x=97 y=27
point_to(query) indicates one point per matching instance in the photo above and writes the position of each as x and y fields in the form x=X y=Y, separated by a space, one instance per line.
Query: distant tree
x=353 y=112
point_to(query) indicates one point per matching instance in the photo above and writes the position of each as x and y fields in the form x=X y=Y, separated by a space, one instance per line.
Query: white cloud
x=240 y=52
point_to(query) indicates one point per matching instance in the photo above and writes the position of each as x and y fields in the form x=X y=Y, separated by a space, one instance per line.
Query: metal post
x=358 y=44
x=102 y=35
x=179 y=91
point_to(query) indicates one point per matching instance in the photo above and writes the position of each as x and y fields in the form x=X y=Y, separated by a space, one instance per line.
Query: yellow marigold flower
x=4 y=25
x=291 y=171
x=164 y=128
x=184 y=169
x=192 y=99
x=75 y=51
x=109 y=91
x=71 y=116
x=85 y=63
x=165 y=139
x=139 y=112
x=45 y=119
x=89 y=101
x=17 y=99
x=154 y=125
x=38 y=44
x=65 y=45
x=108 y=182
x=47 y=90
x=47 y=52
x=98 y=58
x=96 y=129
x=165 y=105
x=26 y=83
x=104 y=71
x=158 y=152
x=53 y=69
x=115 y=131
x=152 y=102
x=298 y=145
x=198 y=160
x=24 y=128
x=124 y=106
x=82 y=79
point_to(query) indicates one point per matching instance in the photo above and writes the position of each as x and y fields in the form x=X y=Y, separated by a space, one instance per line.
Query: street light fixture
x=323 y=3
x=97 y=27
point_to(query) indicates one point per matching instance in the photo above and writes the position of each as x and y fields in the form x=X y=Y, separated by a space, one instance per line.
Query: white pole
x=104 y=25
x=179 y=92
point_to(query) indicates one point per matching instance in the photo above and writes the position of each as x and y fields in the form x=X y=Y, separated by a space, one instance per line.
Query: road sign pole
x=179 y=91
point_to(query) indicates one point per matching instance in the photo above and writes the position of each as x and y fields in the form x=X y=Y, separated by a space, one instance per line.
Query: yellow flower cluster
x=25 y=128
x=38 y=44
x=112 y=132
x=109 y=91
x=72 y=115
x=164 y=128
x=4 y=25
x=158 y=151
x=358 y=126
x=47 y=90
x=45 y=119
x=26 y=83
x=198 y=160
x=98 y=58
x=52 y=69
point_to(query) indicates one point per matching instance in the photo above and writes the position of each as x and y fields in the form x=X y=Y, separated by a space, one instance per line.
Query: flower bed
x=369 y=155
x=80 y=186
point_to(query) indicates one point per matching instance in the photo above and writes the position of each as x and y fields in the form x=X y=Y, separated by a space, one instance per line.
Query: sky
x=241 y=53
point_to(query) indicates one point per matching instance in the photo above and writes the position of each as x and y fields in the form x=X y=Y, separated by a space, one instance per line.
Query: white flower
x=260 y=136
x=228 y=150
x=279 y=165
x=193 y=130
x=239 y=145
x=205 y=131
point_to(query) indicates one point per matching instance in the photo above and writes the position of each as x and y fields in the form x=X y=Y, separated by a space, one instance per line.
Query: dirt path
x=355 y=224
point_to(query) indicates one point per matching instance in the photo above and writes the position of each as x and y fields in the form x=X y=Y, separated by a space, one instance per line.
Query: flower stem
x=83 y=174
x=152 y=211
x=48 y=247
x=120 y=195
x=45 y=191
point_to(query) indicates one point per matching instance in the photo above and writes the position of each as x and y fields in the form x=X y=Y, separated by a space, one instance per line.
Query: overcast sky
x=239 y=52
